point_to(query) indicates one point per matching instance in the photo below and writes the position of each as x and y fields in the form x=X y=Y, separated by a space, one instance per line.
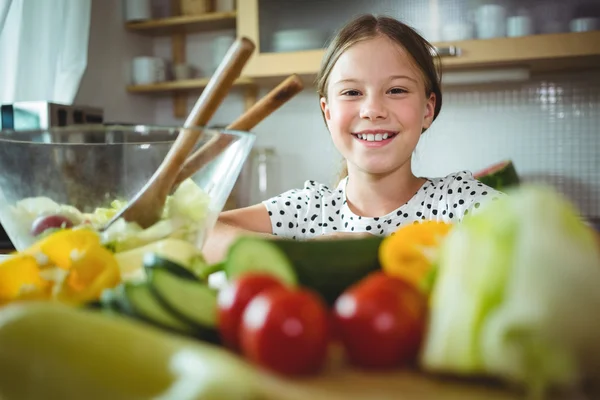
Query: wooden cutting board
x=338 y=381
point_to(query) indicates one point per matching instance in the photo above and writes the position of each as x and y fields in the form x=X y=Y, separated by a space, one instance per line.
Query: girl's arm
x=253 y=220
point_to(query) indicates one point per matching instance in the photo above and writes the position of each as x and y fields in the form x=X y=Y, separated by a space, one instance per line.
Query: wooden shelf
x=185 y=24
x=181 y=85
x=544 y=52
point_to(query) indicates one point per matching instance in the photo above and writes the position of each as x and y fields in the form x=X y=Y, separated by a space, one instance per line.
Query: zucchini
x=154 y=261
x=253 y=254
x=191 y=301
x=331 y=266
x=138 y=300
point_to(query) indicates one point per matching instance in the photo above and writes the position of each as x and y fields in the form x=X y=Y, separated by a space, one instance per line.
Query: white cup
x=520 y=25
x=584 y=24
x=491 y=21
x=137 y=10
x=147 y=70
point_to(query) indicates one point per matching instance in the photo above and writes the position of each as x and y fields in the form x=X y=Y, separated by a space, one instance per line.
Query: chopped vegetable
x=95 y=270
x=516 y=294
x=410 y=253
x=20 y=278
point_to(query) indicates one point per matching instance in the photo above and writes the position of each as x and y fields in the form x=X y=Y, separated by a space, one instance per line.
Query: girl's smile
x=375 y=137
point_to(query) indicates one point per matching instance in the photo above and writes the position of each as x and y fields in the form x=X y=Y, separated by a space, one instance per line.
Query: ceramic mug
x=491 y=21
x=520 y=25
x=147 y=70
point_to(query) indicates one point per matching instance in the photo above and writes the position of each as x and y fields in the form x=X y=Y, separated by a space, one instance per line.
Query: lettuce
x=516 y=295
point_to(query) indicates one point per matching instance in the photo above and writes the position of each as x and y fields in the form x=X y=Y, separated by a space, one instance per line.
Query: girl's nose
x=373 y=108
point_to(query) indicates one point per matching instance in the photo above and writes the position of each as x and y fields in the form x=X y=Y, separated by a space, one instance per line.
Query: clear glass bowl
x=90 y=166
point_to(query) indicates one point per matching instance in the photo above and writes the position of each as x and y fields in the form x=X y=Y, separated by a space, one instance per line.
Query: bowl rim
x=11 y=135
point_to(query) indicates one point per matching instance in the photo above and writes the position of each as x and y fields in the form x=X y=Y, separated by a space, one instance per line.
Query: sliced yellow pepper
x=20 y=279
x=95 y=270
x=65 y=247
x=410 y=252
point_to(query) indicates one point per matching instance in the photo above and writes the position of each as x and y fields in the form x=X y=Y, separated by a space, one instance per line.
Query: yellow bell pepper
x=95 y=270
x=70 y=265
x=20 y=279
x=67 y=246
x=410 y=252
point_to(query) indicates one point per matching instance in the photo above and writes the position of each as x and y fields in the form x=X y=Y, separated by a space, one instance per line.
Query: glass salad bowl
x=81 y=175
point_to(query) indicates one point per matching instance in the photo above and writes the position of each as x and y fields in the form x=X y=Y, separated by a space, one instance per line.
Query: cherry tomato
x=233 y=299
x=286 y=331
x=381 y=321
x=41 y=224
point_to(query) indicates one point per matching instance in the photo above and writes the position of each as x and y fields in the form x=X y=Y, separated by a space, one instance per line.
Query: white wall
x=110 y=51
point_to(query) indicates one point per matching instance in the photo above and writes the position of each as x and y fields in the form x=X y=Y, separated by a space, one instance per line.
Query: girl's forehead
x=380 y=55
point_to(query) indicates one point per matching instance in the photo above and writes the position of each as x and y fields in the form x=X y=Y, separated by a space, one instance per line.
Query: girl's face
x=376 y=107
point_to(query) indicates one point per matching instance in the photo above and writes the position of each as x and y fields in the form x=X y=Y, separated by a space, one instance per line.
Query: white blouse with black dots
x=316 y=209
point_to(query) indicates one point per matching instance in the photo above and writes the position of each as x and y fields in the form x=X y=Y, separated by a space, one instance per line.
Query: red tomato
x=233 y=299
x=286 y=331
x=381 y=321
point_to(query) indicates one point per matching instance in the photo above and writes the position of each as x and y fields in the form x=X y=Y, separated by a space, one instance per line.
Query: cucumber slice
x=139 y=301
x=189 y=300
x=179 y=251
x=154 y=261
x=252 y=254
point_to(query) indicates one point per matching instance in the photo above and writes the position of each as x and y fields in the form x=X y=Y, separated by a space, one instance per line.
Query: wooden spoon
x=259 y=111
x=147 y=206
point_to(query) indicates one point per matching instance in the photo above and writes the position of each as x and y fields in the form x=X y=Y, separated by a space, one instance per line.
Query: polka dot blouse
x=316 y=209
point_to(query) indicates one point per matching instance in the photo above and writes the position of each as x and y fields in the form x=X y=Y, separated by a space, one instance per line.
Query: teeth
x=373 y=137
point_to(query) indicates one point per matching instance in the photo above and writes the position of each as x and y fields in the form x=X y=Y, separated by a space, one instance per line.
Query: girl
x=379 y=90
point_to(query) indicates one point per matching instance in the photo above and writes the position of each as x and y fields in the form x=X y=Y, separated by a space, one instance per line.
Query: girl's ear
x=325 y=108
x=429 y=111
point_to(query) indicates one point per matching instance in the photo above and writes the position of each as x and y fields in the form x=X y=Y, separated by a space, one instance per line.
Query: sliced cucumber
x=189 y=300
x=154 y=261
x=252 y=254
x=139 y=301
x=176 y=250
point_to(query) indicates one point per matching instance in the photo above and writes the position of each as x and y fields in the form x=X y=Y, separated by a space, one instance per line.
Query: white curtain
x=43 y=49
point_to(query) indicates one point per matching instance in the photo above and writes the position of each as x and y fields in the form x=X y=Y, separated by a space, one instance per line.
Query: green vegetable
x=53 y=351
x=516 y=295
x=189 y=300
x=252 y=254
x=331 y=266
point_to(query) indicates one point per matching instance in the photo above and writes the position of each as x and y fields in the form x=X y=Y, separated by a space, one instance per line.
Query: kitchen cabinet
x=543 y=49
x=178 y=26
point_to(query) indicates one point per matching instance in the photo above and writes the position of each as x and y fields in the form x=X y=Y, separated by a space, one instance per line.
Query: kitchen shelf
x=181 y=85
x=543 y=52
x=185 y=24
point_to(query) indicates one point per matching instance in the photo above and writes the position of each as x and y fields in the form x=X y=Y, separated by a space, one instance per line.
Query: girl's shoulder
x=461 y=182
x=459 y=193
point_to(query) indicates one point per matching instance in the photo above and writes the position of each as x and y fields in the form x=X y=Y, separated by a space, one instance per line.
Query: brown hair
x=369 y=26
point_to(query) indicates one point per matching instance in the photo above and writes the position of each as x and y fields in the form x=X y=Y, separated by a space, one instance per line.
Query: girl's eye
x=351 y=93
x=397 y=91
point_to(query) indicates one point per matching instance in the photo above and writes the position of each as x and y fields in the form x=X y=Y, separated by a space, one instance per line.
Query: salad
x=183 y=215
x=52 y=237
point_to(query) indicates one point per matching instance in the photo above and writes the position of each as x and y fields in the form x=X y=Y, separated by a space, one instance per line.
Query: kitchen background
x=548 y=124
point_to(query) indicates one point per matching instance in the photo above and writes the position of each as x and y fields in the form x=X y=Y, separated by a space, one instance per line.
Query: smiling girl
x=379 y=91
